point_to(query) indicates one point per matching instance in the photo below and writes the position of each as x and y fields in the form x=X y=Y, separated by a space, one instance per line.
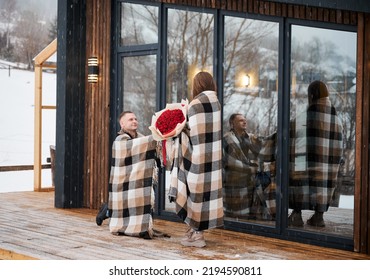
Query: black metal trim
x=347 y=5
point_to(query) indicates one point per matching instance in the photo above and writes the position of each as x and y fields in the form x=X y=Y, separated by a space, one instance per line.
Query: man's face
x=240 y=123
x=129 y=122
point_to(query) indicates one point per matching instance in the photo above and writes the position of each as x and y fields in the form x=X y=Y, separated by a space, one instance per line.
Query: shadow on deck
x=31 y=228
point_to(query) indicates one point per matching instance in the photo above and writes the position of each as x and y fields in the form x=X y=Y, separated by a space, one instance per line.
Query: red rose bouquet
x=170 y=121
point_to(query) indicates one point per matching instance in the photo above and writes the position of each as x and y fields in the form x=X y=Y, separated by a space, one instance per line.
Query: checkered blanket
x=131 y=194
x=196 y=176
x=316 y=152
x=249 y=181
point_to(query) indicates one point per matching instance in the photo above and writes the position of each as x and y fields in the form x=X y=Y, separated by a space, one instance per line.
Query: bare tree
x=32 y=36
x=53 y=29
x=7 y=12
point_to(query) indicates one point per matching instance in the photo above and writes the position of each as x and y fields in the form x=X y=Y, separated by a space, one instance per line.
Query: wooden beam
x=46 y=53
x=37 y=129
x=48 y=107
x=40 y=59
x=10 y=168
x=10 y=255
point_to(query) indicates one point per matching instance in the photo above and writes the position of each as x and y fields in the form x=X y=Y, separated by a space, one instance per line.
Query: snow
x=17 y=127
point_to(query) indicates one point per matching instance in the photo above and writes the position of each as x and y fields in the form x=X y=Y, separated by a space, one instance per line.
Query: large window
x=250 y=97
x=139 y=88
x=138 y=65
x=190 y=49
x=322 y=142
x=139 y=24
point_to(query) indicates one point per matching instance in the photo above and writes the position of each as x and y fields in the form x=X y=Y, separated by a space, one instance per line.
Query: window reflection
x=139 y=88
x=190 y=50
x=250 y=119
x=322 y=155
x=139 y=24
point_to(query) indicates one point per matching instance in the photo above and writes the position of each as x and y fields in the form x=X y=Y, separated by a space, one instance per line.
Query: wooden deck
x=31 y=228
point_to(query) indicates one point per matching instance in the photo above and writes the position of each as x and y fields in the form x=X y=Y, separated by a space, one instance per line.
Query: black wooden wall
x=70 y=103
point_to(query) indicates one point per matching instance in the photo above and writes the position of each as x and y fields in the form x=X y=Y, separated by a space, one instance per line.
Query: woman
x=196 y=179
x=316 y=153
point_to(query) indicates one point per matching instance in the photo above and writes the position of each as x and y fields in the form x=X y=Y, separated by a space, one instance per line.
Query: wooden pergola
x=41 y=62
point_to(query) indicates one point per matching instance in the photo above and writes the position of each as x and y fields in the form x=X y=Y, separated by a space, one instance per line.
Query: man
x=122 y=174
x=249 y=186
x=240 y=163
x=129 y=124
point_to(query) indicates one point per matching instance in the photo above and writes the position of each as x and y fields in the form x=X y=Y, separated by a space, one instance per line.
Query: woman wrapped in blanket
x=315 y=157
x=196 y=177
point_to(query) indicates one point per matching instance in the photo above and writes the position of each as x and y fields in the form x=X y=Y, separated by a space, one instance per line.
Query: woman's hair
x=203 y=81
x=317 y=89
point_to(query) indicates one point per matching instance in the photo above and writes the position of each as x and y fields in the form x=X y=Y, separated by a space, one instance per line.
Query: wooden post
x=39 y=60
x=37 y=129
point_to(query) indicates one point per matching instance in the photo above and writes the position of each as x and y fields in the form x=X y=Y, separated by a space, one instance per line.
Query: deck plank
x=32 y=228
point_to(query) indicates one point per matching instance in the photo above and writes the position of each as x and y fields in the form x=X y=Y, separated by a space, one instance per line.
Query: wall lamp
x=246 y=80
x=92 y=70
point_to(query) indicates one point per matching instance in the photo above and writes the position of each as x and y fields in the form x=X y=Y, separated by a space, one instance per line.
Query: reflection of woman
x=240 y=163
x=316 y=151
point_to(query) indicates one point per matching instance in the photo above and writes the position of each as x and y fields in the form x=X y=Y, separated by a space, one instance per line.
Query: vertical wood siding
x=96 y=165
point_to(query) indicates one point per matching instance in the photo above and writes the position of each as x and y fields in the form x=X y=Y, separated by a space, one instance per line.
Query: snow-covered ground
x=17 y=126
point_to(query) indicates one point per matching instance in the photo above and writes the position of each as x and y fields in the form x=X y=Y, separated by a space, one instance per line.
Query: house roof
x=348 y=5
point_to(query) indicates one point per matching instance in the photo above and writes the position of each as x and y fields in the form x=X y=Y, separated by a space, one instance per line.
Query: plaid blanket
x=315 y=154
x=131 y=194
x=196 y=176
x=249 y=181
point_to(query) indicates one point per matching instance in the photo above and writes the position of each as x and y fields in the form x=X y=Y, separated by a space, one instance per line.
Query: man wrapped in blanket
x=132 y=180
x=249 y=190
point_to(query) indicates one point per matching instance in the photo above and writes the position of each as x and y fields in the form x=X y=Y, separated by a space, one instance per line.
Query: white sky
x=345 y=41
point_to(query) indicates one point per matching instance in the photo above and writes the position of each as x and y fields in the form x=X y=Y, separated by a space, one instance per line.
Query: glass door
x=322 y=131
x=250 y=110
x=190 y=49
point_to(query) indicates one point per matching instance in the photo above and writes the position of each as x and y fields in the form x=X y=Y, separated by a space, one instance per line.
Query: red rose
x=168 y=120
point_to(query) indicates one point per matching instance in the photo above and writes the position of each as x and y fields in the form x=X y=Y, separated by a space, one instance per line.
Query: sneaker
x=188 y=234
x=295 y=219
x=146 y=234
x=196 y=239
x=316 y=220
x=102 y=215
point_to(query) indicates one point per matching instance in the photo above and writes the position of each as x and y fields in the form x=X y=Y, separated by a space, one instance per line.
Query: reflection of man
x=133 y=174
x=316 y=152
x=240 y=162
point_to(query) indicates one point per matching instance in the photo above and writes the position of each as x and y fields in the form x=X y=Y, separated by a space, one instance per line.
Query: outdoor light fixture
x=246 y=80
x=93 y=70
